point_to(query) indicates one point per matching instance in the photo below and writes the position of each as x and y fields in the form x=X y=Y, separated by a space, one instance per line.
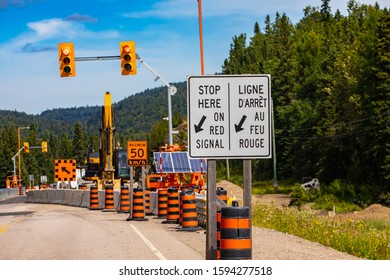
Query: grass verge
x=360 y=238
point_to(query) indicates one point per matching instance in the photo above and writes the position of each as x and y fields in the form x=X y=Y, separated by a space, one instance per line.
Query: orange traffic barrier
x=218 y=234
x=20 y=190
x=147 y=201
x=236 y=243
x=173 y=207
x=93 y=198
x=222 y=194
x=138 y=205
x=189 y=218
x=124 y=205
x=109 y=198
x=162 y=203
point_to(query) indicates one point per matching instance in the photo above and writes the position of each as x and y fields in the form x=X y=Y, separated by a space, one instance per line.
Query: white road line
x=147 y=242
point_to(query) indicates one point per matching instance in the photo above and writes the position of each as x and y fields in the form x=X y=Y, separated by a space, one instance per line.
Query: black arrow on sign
x=239 y=126
x=65 y=170
x=198 y=127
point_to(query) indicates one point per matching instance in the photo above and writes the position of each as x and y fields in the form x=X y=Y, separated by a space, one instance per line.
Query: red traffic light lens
x=126 y=48
x=66 y=51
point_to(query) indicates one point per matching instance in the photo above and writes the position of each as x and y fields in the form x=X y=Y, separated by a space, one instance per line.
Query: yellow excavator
x=105 y=175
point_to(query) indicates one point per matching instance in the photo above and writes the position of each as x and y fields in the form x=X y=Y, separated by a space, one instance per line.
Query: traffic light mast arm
x=13 y=159
x=172 y=89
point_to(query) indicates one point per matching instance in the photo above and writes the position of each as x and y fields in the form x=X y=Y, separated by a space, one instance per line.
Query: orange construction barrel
x=173 y=207
x=222 y=194
x=109 y=198
x=93 y=198
x=124 y=205
x=162 y=203
x=147 y=201
x=189 y=216
x=236 y=243
x=138 y=205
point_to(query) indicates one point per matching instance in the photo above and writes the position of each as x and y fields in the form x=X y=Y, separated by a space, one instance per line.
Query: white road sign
x=229 y=116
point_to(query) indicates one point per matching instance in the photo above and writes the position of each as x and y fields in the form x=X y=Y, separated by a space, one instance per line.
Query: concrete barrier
x=86 y=199
x=8 y=193
x=37 y=196
x=44 y=196
x=51 y=196
x=67 y=197
x=77 y=198
x=59 y=196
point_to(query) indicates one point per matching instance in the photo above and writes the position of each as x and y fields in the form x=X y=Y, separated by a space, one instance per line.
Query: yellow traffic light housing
x=44 y=146
x=128 y=58
x=66 y=59
x=26 y=146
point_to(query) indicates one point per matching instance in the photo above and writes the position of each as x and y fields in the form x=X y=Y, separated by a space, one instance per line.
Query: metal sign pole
x=211 y=226
x=131 y=194
x=248 y=189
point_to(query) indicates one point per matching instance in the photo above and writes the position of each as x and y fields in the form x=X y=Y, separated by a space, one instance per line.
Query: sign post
x=229 y=116
x=137 y=155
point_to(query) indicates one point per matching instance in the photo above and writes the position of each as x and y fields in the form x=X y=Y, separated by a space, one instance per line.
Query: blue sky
x=166 y=33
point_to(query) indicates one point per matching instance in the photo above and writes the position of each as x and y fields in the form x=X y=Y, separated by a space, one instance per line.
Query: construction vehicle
x=122 y=169
x=100 y=167
x=12 y=181
x=92 y=168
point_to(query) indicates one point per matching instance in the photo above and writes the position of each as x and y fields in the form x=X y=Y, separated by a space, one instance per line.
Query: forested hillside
x=331 y=93
x=70 y=132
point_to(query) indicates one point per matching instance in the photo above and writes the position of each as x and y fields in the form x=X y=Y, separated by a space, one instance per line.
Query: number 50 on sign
x=137 y=153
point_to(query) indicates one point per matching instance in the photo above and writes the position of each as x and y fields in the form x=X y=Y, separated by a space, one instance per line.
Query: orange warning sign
x=137 y=153
x=65 y=170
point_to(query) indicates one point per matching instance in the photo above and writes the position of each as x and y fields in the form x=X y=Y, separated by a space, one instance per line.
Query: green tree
x=78 y=144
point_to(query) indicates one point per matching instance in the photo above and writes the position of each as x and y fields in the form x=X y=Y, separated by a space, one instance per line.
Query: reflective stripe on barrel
x=236 y=243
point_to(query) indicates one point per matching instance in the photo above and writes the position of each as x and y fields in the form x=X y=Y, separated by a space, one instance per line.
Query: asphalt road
x=30 y=231
x=47 y=231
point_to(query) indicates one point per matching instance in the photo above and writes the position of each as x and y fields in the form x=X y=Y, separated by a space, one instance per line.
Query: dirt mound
x=269 y=199
x=375 y=212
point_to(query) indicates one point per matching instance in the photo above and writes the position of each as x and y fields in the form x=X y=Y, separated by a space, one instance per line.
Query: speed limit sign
x=137 y=153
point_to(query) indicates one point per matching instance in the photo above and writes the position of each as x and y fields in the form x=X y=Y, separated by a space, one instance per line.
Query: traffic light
x=128 y=58
x=44 y=146
x=26 y=147
x=66 y=59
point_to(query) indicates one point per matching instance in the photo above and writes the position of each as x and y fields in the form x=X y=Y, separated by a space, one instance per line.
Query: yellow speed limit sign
x=137 y=153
